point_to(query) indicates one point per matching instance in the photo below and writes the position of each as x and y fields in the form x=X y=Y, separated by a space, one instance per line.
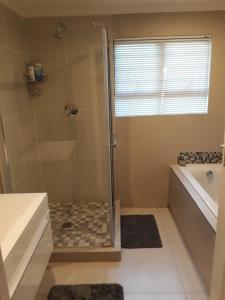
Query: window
x=162 y=77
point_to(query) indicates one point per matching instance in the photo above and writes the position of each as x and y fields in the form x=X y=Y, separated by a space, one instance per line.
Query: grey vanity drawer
x=31 y=279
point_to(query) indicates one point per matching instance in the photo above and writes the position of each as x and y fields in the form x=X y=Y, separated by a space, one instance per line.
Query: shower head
x=60 y=28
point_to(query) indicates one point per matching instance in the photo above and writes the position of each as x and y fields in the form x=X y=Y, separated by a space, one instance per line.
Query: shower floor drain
x=67 y=225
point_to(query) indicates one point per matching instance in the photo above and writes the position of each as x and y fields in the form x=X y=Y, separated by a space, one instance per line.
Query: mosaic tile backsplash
x=199 y=157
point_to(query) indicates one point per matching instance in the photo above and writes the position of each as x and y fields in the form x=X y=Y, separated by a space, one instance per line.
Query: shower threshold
x=87 y=243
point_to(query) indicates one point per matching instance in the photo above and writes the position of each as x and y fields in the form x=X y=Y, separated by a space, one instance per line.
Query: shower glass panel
x=73 y=132
x=75 y=152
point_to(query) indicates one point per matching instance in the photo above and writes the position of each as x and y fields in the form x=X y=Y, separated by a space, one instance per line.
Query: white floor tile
x=73 y=273
x=189 y=274
x=146 y=274
x=155 y=297
x=197 y=296
x=144 y=271
x=171 y=231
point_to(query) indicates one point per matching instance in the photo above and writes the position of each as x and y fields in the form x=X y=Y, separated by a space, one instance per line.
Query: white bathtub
x=204 y=191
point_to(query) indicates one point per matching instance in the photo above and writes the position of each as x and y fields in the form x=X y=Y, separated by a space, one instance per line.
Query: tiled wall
x=47 y=150
x=199 y=158
x=73 y=151
x=16 y=105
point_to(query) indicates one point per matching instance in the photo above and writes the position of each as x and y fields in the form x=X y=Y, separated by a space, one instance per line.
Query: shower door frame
x=111 y=137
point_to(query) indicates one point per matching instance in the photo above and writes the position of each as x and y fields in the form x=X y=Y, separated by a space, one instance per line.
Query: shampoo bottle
x=38 y=72
x=30 y=72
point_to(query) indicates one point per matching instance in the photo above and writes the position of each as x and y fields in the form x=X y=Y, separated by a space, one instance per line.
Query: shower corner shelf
x=33 y=86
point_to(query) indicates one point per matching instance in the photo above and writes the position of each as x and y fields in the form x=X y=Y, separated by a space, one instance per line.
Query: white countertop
x=16 y=210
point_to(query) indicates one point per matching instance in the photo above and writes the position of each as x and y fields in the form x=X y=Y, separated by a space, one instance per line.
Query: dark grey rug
x=86 y=292
x=139 y=231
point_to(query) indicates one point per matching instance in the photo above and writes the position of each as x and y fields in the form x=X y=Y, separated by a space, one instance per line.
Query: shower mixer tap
x=71 y=110
x=209 y=174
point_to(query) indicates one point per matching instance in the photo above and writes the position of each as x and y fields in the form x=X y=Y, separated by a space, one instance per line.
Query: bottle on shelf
x=38 y=70
x=31 y=73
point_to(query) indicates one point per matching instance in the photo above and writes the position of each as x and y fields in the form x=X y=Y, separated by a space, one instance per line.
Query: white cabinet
x=26 y=244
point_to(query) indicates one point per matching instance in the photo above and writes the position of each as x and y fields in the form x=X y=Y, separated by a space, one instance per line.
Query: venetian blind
x=162 y=77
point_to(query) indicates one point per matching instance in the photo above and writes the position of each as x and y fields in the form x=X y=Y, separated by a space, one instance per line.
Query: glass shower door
x=87 y=219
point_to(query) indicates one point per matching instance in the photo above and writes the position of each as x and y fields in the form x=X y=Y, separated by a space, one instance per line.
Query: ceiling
x=36 y=8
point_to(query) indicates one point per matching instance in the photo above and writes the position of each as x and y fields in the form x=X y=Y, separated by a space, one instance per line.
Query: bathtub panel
x=195 y=229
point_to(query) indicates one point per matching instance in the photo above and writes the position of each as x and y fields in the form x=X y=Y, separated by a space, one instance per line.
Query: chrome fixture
x=182 y=162
x=113 y=141
x=71 y=110
x=209 y=174
x=59 y=30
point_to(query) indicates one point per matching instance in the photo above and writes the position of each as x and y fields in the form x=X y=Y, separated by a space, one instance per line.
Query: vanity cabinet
x=25 y=244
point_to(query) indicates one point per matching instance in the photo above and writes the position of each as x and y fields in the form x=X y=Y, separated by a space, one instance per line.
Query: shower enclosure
x=71 y=140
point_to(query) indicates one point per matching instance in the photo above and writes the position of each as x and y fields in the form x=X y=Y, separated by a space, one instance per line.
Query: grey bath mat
x=139 y=231
x=86 y=292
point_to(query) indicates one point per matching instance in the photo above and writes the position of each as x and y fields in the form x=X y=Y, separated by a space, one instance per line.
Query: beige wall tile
x=7 y=68
x=12 y=29
x=31 y=157
x=54 y=125
x=41 y=36
x=93 y=180
x=16 y=105
x=60 y=180
x=34 y=180
x=88 y=92
x=27 y=130
x=14 y=147
x=83 y=36
x=3 y=29
x=30 y=183
x=91 y=134
x=15 y=30
x=54 y=95
x=8 y=102
x=85 y=63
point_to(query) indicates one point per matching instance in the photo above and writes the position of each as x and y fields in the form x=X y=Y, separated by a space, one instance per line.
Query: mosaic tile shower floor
x=80 y=225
